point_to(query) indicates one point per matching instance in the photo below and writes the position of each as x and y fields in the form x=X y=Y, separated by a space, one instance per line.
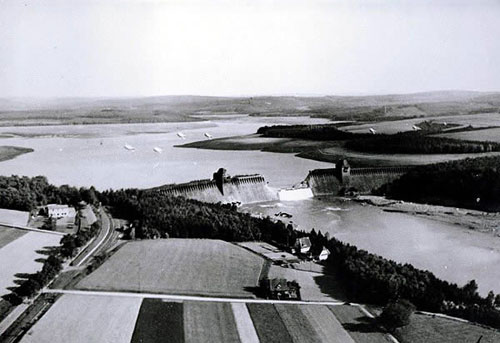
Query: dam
x=343 y=180
x=239 y=189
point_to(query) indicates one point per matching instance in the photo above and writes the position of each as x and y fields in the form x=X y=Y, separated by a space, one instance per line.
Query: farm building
x=323 y=255
x=280 y=288
x=302 y=245
x=56 y=211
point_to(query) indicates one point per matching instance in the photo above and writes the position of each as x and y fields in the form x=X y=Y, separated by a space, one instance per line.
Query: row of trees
x=373 y=279
x=418 y=143
x=468 y=183
x=34 y=282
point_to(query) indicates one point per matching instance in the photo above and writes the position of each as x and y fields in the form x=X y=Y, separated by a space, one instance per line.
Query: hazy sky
x=128 y=48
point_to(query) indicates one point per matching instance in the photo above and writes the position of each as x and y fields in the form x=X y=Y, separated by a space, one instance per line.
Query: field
x=313 y=286
x=85 y=319
x=179 y=266
x=423 y=329
x=21 y=254
x=490 y=135
x=8 y=235
x=14 y=217
x=358 y=324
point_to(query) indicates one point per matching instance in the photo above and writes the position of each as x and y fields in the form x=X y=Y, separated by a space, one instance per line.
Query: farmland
x=14 y=217
x=8 y=235
x=425 y=328
x=179 y=266
x=490 y=135
x=83 y=319
x=20 y=254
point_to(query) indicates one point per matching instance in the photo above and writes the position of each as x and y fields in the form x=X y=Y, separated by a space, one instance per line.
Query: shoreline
x=8 y=152
x=485 y=222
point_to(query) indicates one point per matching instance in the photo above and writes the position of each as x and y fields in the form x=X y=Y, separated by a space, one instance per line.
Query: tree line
x=468 y=183
x=411 y=142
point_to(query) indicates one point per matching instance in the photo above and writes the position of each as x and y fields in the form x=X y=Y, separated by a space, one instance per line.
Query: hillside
x=21 y=111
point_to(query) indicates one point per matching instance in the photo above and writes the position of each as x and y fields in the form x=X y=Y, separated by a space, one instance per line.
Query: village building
x=280 y=288
x=302 y=245
x=57 y=211
x=323 y=255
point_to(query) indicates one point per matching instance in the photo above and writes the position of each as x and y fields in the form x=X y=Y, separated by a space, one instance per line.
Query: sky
x=52 y=48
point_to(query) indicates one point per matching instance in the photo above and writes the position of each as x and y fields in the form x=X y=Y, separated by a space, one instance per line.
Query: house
x=56 y=211
x=280 y=288
x=302 y=245
x=323 y=255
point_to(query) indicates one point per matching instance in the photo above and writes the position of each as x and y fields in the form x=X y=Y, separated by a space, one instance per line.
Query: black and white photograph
x=250 y=171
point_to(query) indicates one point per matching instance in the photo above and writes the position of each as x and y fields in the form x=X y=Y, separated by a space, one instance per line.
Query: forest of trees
x=25 y=194
x=411 y=142
x=159 y=215
x=468 y=183
x=326 y=132
x=418 y=143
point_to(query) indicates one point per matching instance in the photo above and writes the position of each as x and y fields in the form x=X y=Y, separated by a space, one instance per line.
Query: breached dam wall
x=244 y=189
x=295 y=194
x=335 y=181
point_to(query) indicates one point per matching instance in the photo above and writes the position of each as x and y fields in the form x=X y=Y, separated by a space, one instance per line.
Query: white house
x=323 y=255
x=57 y=211
x=302 y=245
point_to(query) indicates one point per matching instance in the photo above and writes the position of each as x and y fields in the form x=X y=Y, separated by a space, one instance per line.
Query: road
x=27 y=228
x=106 y=234
x=19 y=321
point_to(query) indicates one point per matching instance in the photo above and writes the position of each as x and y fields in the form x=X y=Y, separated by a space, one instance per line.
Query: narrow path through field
x=244 y=323
x=190 y=297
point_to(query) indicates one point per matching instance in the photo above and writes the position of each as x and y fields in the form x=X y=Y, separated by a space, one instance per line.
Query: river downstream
x=95 y=155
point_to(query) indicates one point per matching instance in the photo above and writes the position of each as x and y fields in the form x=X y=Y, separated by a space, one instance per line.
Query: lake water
x=95 y=155
x=451 y=252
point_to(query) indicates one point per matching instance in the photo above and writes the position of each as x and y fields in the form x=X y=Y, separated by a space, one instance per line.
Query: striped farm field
x=86 y=319
x=179 y=266
x=209 y=322
x=20 y=253
x=159 y=319
x=117 y=318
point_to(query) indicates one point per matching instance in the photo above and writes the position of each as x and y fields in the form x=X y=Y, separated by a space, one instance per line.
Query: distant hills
x=30 y=111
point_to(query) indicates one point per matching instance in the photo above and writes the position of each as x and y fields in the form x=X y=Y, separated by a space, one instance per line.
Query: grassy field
x=158 y=320
x=268 y=324
x=298 y=325
x=14 y=217
x=179 y=266
x=423 y=329
x=8 y=235
x=212 y=322
x=358 y=325
x=327 y=327
x=84 y=319
x=20 y=256
x=490 y=135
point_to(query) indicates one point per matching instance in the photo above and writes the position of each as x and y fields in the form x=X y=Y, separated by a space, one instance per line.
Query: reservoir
x=95 y=155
